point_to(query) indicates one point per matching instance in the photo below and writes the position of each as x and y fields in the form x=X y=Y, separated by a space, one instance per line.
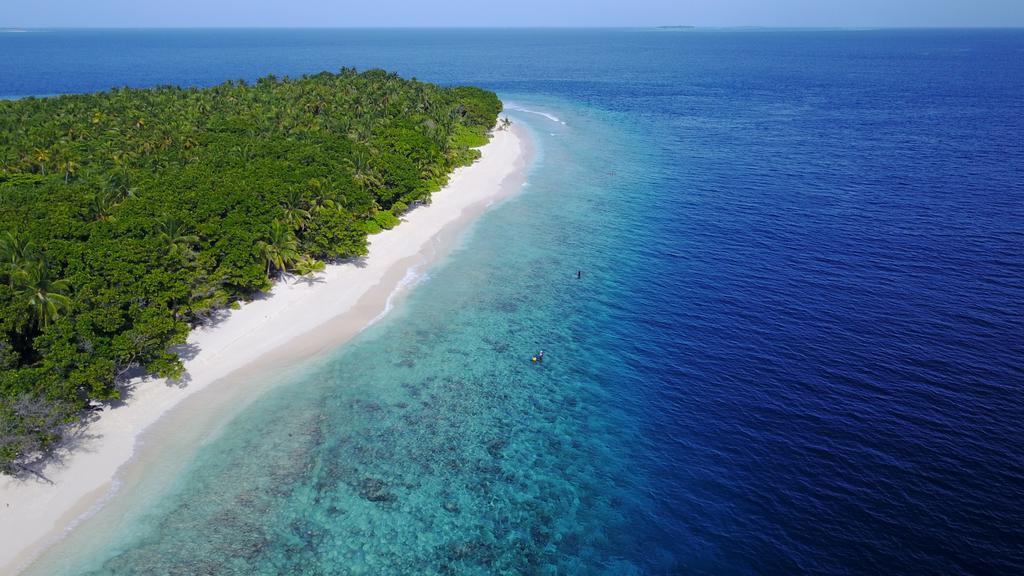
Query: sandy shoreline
x=295 y=320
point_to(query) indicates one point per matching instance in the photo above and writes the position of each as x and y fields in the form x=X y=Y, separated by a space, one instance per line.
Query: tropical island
x=130 y=217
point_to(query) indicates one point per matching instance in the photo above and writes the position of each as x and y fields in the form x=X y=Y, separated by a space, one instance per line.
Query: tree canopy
x=129 y=216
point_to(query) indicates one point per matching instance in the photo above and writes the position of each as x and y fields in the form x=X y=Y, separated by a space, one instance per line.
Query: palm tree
x=174 y=237
x=67 y=159
x=362 y=170
x=47 y=297
x=103 y=203
x=16 y=252
x=317 y=194
x=70 y=168
x=424 y=104
x=306 y=265
x=281 y=249
x=294 y=214
x=41 y=157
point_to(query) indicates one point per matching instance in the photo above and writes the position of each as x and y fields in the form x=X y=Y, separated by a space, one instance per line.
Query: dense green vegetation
x=128 y=217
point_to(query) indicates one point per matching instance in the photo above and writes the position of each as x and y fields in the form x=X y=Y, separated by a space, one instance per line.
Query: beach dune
x=297 y=318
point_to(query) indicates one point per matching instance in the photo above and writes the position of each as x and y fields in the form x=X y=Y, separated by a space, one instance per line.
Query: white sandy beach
x=296 y=319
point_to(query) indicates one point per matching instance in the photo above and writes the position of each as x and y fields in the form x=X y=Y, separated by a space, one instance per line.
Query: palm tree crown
x=16 y=252
x=46 y=296
x=281 y=249
x=295 y=215
x=174 y=236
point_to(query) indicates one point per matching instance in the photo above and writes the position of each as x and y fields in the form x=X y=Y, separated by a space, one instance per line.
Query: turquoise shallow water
x=431 y=444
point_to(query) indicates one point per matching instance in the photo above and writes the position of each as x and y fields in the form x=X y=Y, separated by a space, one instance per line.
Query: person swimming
x=538 y=357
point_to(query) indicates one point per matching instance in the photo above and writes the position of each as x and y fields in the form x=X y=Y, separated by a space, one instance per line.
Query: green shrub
x=144 y=211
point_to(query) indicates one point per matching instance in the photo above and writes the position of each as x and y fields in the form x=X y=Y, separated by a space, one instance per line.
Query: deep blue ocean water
x=797 y=346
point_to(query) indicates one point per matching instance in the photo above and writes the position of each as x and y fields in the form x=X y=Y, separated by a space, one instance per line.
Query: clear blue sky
x=344 y=13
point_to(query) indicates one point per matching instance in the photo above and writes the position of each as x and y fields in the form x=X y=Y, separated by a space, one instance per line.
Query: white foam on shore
x=551 y=117
x=412 y=277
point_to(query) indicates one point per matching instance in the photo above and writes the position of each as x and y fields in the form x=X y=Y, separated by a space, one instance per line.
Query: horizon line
x=9 y=28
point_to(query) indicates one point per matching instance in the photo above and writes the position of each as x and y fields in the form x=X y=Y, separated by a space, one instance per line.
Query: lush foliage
x=129 y=216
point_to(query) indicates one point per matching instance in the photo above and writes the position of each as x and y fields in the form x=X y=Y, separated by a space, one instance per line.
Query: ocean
x=796 y=345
